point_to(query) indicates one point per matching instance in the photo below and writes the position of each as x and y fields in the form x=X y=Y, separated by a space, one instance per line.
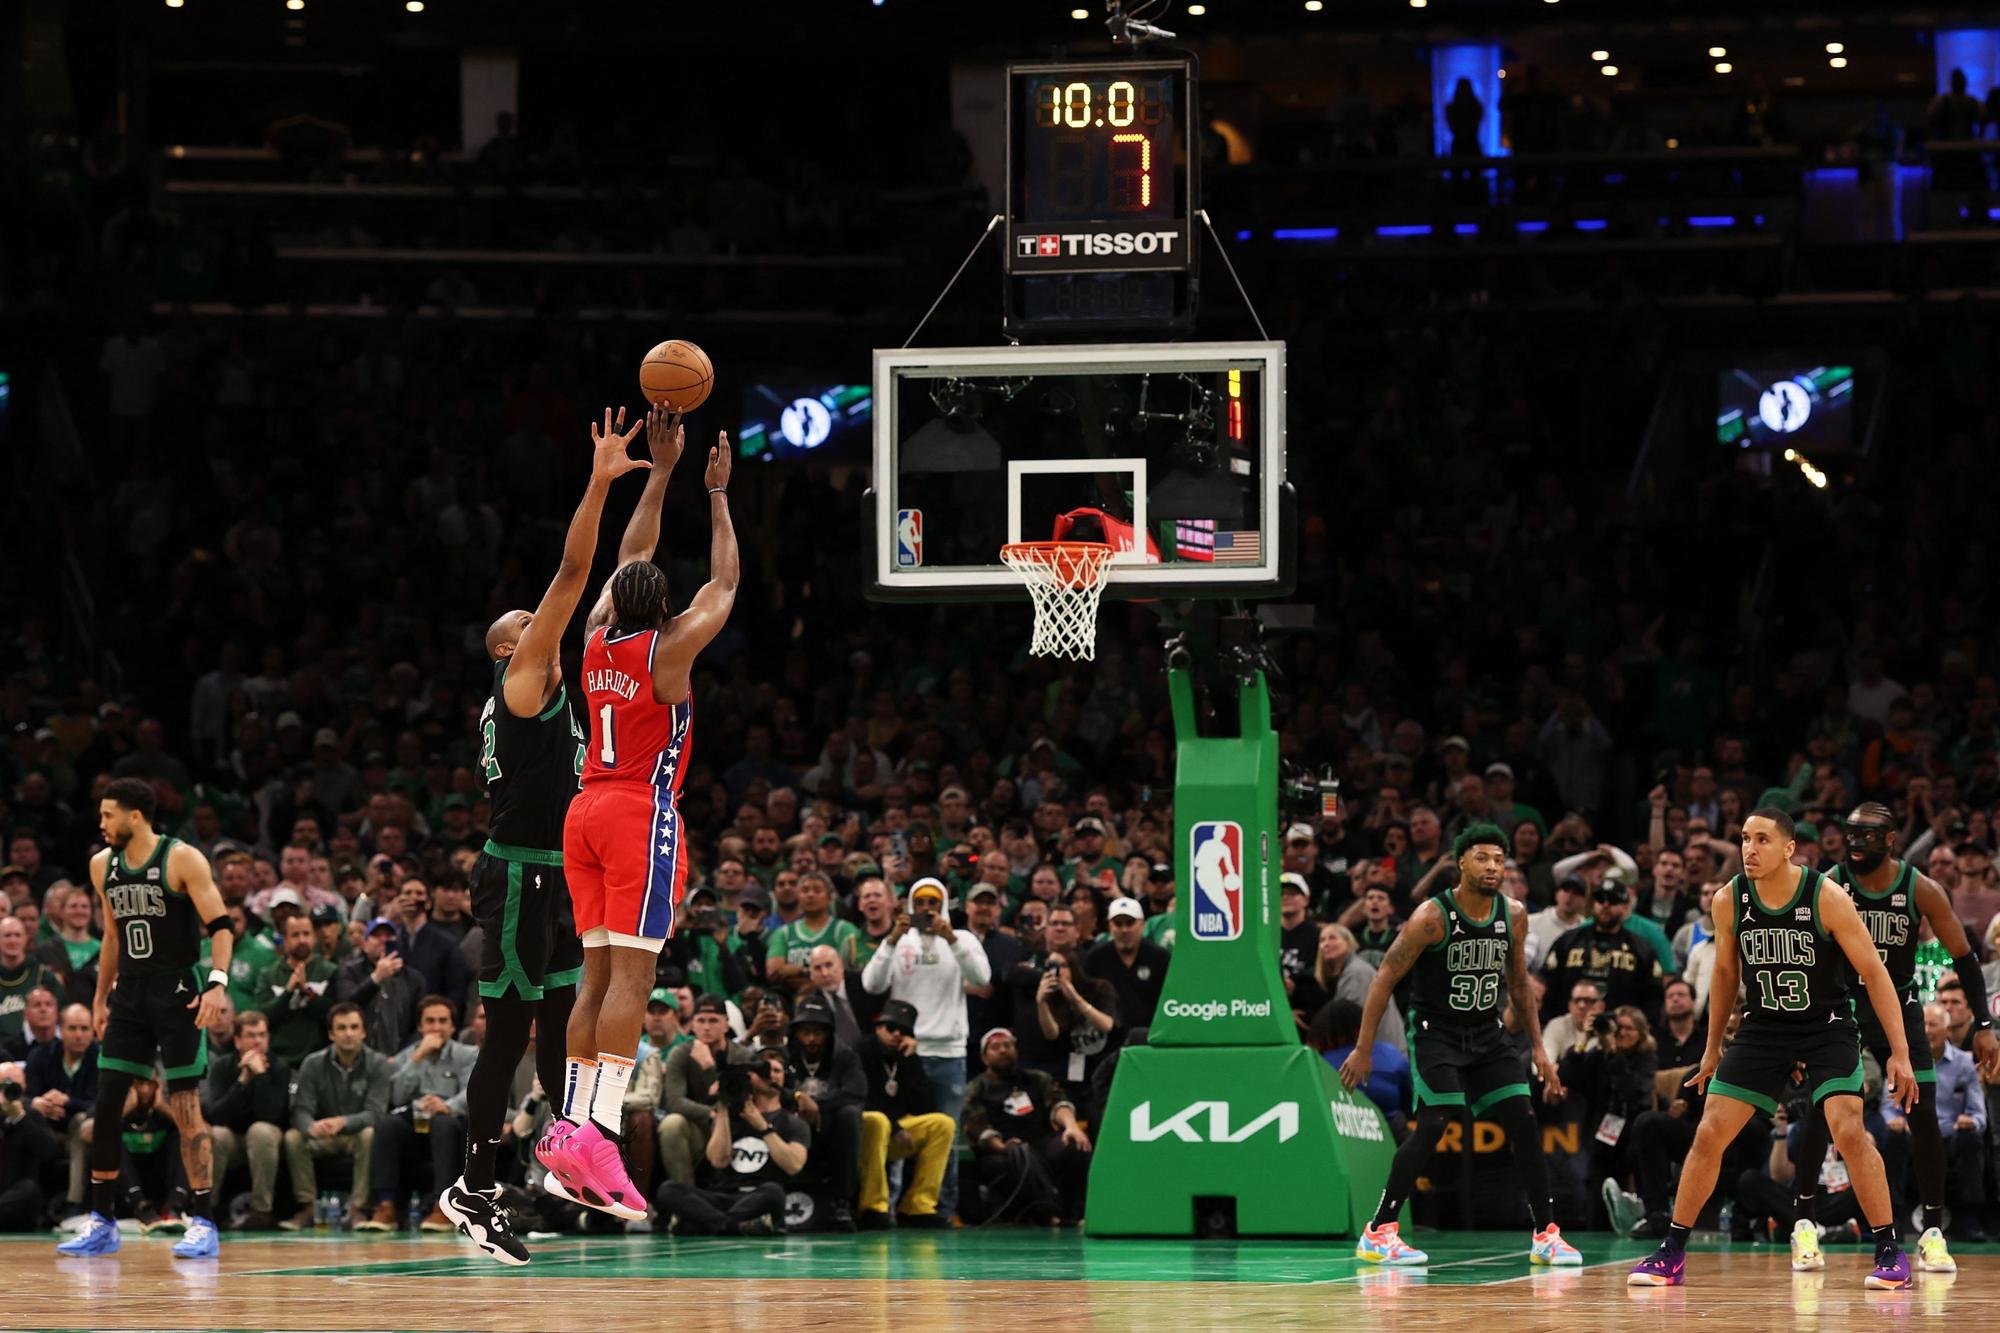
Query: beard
x=118 y=838
x=1867 y=862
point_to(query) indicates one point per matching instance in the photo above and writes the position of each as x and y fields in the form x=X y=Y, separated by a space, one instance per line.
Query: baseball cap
x=323 y=915
x=1090 y=824
x=1161 y=872
x=1455 y=743
x=381 y=923
x=831 y=840
x=1574 y=883
x=1496 y=768
x=289 y=719
x=1396 y=759
x=1610 y=891
x=954 y=794
x=458 y=800
x=711 y=1003
x=981 y=890
x=700 y=891
x=1125 y=907
x=756 y=896
x=899 y=1014
x=1293 y=883
x=1300 y=833
x=661 y=995
x=326 y=737
x=992 y=1034
x=280 y=897
x=13 y=872
x=814 y=1009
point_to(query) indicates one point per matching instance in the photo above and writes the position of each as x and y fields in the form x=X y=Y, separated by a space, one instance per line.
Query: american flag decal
x=1238 y=548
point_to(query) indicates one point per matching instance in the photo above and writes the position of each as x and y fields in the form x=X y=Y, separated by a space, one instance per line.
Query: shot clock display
x=1099 y=177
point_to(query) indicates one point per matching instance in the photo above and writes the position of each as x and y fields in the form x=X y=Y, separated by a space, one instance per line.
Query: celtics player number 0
x=1473 y=993
x=138 y=938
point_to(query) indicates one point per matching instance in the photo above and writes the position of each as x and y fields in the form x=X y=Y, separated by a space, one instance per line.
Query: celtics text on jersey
x=1461 y=978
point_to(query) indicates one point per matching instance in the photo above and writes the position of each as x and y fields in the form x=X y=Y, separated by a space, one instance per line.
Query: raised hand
x=720 y=458
x=665 y=436
x=608 y=442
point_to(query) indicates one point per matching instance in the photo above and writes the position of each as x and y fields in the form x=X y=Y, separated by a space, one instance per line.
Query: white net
x=1064 y=578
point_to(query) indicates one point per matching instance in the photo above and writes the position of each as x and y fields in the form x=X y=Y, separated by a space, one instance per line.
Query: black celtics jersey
x=1793 y=971
x=531 y=766
x=1459 y=980
x=159 y=931
x=1892 y=921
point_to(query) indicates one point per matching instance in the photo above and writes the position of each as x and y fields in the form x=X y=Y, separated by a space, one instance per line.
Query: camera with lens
x=1053 y=964
x=10 y=1091
x=1602 y=1024
x=732 y=1087
x=706 y=919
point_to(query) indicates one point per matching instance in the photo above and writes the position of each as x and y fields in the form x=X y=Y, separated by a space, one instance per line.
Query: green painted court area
x=1457 y=1258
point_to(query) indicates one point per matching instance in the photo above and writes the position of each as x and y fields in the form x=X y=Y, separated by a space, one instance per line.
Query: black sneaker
x=480 y=1220
x=843 y=1217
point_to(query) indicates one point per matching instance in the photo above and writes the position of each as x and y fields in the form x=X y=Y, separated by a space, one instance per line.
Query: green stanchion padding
x=1224 y=1101
x=1269 y=1127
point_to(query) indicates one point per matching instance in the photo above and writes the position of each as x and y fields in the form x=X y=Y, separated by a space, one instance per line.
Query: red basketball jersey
x=633 y=738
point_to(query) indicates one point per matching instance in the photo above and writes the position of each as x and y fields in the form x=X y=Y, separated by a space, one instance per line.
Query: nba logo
x=909 y=538
x=1215 y=851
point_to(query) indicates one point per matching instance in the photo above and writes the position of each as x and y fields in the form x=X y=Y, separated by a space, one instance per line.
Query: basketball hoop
x=1065 y=579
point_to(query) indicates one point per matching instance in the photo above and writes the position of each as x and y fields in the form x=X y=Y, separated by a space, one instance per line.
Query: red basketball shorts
x=622 y=856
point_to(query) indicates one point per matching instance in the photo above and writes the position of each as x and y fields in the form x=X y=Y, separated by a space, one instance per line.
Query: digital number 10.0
x=1071 y=105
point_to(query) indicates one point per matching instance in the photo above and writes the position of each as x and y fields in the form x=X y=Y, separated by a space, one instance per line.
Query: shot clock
x=1101 y=189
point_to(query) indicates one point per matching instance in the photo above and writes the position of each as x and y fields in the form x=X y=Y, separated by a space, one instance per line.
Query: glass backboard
x=1172 y=453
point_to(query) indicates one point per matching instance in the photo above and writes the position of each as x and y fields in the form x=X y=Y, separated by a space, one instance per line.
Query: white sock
x=607 y=1101
x=579 y=1082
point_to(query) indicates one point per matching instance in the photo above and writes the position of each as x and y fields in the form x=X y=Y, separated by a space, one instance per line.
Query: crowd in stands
x=297 y=538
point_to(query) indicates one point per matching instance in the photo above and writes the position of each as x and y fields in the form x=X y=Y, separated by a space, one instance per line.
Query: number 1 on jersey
x=608 y=750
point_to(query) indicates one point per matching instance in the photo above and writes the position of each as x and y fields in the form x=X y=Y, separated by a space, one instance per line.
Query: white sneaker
x=1806 y=1254
x=1933 y=1255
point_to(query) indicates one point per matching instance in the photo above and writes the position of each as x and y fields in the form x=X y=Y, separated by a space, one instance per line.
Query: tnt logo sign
x=1216 y=852
x=909 y=538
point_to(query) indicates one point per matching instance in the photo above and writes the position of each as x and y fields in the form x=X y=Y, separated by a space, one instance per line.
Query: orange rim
x=1075 y=564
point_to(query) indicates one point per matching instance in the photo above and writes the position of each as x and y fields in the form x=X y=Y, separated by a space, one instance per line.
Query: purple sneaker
x=1892 y=1269
x=1666 y=1268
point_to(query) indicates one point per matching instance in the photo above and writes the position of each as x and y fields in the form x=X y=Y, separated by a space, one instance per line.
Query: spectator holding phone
x=385 y=987
x=928 y=965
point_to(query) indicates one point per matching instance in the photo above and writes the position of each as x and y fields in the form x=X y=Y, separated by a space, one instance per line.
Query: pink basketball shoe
x=594 y=1170
x=548 y=1148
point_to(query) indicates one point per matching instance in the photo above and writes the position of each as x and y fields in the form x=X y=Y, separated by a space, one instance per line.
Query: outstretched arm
x=665 y=439
x=531 y=672
x=695 y=628
x=1424 y=928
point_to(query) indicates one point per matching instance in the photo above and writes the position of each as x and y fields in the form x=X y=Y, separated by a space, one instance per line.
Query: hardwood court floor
x=1012 y=1280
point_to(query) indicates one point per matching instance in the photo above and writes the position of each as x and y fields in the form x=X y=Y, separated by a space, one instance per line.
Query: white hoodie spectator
x=931 y=973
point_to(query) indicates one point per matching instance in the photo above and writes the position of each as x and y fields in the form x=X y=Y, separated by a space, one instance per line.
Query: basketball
x=678 y=374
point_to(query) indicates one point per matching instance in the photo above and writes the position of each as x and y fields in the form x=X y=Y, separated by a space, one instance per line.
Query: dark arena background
x=1188 y=515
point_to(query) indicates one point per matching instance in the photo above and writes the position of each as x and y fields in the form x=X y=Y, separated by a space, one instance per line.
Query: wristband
x=718 y=490
x=216 y=977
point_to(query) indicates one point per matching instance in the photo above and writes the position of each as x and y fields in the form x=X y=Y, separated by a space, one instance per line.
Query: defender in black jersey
x=1792 y=940
x=153 y=999
x=1464 y=949
x=531 y=757
x=1895 y=900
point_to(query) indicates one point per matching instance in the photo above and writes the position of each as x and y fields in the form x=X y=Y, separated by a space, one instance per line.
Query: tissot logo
x=1098 y=243
x=1209 y=1122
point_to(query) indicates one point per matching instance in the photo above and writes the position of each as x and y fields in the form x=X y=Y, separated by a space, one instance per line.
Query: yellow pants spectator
x=930 y=1142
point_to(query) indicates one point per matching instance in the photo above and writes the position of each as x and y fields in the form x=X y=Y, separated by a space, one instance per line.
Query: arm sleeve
x=876 y=976
x=971 y=954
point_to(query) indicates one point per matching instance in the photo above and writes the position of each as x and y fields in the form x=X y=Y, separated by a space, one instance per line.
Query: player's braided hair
x=638 y=596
